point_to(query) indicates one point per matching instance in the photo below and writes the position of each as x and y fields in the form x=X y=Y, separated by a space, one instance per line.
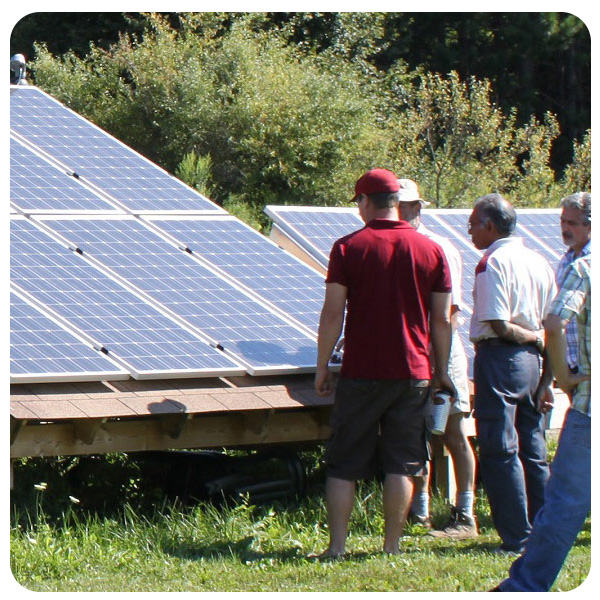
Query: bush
x=458 y=145
x=251 y=119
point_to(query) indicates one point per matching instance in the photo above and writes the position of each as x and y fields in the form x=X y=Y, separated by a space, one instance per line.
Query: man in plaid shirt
x=576 y=229
x=567 y=498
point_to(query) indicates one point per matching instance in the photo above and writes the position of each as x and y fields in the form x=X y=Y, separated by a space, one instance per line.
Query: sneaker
x=459 y=527
x=502 y=550
x=414 y=519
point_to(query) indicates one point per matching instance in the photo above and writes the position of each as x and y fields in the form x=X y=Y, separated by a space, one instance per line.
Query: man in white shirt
x=514 y=287
x=462 y=524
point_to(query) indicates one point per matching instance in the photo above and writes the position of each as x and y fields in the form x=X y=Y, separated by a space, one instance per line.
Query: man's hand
x=324 y=381
x=442 y=381
x=544 y=399
x=568 y=381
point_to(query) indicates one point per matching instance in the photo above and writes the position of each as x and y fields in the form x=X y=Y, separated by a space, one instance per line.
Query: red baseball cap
x=376 y=181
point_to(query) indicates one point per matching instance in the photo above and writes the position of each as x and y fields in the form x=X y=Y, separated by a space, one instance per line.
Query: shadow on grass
x=242 y=551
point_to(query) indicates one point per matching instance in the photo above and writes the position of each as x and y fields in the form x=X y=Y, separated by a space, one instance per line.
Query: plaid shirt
x=575 y=299
x=563 y=266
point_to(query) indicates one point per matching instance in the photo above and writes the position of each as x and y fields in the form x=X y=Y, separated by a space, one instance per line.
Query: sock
x=420 y=504
x=464 y=502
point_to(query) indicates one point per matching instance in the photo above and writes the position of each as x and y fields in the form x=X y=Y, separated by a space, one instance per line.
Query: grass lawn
x=206 y=547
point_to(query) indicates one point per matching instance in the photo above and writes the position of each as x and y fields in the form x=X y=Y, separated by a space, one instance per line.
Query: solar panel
x=123 y=324
x=315 y=228
x=541 y=230
x=223 y=312
x=38 y=186
x=43 y=350
x=98 y=158
x=254 y=261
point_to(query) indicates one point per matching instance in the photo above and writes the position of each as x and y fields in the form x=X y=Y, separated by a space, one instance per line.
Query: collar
x=500 y=242
x=387 y=224
x=587 y=249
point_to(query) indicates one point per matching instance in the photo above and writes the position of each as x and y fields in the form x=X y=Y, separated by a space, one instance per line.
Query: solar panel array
x=120 y=270
x=314 y=229
x=41 y=346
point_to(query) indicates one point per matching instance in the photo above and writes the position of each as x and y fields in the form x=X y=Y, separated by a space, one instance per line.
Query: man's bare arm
x=515 y=333
x=330 y=329
x=441 y=338
x=556 y=345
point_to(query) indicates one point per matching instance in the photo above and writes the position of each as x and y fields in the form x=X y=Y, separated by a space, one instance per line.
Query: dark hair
x=581 y=201
x=385 y=199
x=498 y=210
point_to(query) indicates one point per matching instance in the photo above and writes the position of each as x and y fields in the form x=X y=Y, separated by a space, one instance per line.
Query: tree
x=277 y=127
x=228 y=101
x=459 y=145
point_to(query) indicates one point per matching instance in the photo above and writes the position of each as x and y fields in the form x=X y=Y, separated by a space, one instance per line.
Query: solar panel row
x=119 y=269
x=231 y=303
x=314 y=229
x=114 y=320
x=98 y=158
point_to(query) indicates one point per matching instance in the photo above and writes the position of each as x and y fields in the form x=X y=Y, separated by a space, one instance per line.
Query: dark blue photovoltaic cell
x=255 y=262
x=41 y=349
x=315 y=229
x=97 y=157
x=541 y=232
x=103 y=310
x=38 y=186
x=173 y=278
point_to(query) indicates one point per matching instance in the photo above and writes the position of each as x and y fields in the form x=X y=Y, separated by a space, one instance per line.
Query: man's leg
x=533 y=455
x=566 y=505
x=397 y=495
x=501 y=374
x=462 y=523
x=340 y=501
x=461 y=452
x=419 y=508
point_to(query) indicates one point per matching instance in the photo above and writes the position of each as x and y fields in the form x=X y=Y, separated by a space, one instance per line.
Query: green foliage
x=196 y=171
x=458 y=145
x=244 y=547
x=578 y=174
x=237 y=110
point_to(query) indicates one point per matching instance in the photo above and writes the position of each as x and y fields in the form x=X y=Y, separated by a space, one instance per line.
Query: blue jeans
x=510 y=434
x=567 y=503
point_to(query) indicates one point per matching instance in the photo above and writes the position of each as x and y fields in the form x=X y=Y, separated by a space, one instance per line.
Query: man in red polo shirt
x=394 y=286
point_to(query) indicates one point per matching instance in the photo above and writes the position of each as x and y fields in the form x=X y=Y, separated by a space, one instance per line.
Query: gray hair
x=498 y=210
x=582 y=201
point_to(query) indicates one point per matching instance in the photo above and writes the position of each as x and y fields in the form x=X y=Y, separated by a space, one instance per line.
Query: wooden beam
x=173 y=424
x=203 y=431
x=86 y=429
x=256 y=421
x=15 y=427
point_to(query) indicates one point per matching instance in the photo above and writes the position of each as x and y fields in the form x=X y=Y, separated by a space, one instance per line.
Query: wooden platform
x=89 y=418
x=237 y=412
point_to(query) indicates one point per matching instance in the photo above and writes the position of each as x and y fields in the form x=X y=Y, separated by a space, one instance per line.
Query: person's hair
x=385 y=199
x=582 y=201
x=498 y=210
x=410 y=210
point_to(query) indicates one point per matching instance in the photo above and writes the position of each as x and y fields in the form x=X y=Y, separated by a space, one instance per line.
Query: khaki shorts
x=378 y=424
x=458 y=370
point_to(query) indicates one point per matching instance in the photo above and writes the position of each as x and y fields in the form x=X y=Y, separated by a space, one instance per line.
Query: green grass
x=240 y=547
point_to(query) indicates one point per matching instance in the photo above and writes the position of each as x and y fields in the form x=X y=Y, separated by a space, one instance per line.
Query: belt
x=495 y=341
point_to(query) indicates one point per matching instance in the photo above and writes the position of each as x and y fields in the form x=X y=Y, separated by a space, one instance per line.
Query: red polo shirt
x=390 y=271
